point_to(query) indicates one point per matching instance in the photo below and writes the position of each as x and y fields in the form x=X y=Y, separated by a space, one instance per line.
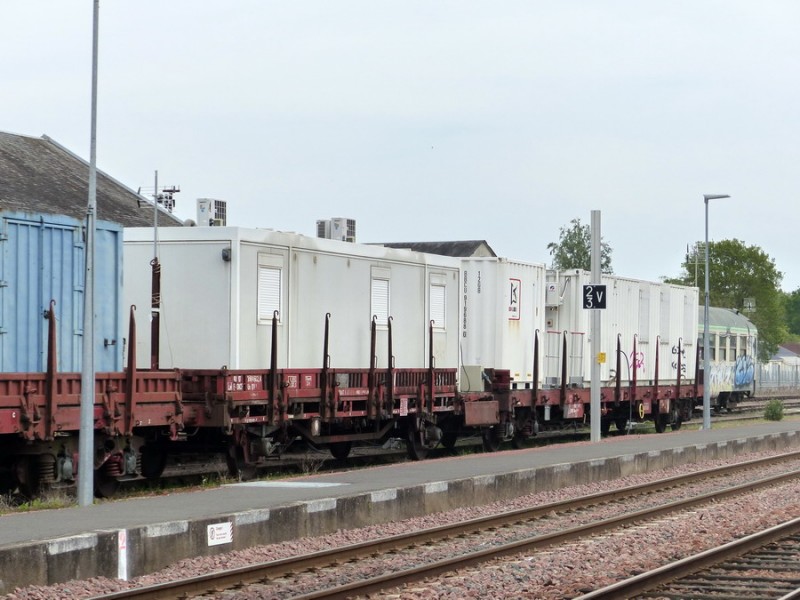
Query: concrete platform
x=128 y=538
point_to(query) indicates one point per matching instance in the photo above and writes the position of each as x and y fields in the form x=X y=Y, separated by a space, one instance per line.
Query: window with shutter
x=380 y=300
x=269 y=293
x=437 y=299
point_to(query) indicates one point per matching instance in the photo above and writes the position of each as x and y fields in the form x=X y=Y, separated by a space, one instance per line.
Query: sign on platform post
x=594 y=296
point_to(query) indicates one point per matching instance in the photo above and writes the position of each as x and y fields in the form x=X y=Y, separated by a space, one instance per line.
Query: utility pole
x=86 y=433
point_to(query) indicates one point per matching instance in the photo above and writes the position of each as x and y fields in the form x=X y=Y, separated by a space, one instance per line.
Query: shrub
x=774 y=410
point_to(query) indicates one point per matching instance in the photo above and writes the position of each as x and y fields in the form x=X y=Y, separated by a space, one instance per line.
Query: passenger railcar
x=733 y=342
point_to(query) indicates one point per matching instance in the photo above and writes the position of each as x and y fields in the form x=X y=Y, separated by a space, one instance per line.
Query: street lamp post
x=706 y=345
x=86 y=437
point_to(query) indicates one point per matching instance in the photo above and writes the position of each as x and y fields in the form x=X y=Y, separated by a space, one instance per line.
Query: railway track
x=512 y=533
x=761 y=566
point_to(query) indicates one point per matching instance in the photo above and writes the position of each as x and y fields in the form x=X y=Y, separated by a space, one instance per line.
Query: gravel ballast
x=562 y=572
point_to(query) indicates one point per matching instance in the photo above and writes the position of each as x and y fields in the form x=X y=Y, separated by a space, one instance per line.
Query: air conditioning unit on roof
x=212 y=213
x=338 y=228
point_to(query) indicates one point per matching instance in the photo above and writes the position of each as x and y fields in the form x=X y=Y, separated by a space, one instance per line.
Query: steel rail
x=283 y=567
x=645 y=582
x=392 y=580
x=791 y=595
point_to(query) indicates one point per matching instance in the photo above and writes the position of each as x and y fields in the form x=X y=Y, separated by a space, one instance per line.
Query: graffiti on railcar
x=721 y=379
x=744 y=370
x=683 y=360
x=733 y=376
x=638 y=362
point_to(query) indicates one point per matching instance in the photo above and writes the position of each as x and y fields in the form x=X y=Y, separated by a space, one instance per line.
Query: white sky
x=436 y=120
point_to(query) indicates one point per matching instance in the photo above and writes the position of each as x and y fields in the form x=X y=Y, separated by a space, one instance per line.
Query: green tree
x=574 y=249
x=792 y=304
x=736 y=273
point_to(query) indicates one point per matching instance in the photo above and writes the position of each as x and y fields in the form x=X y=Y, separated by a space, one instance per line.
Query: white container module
x=221 y=285
x=502 y=307
x=654 y=314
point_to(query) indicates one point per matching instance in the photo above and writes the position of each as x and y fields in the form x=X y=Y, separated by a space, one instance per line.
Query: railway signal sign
x=594 y=296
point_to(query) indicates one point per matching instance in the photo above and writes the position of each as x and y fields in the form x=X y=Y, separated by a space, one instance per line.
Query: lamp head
x=708 y=197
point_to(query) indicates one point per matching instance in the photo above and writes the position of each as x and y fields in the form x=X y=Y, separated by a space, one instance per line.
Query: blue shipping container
x=43 y=259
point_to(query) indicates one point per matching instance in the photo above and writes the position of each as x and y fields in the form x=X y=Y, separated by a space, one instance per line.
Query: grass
x=716 y=424
x=51 y=499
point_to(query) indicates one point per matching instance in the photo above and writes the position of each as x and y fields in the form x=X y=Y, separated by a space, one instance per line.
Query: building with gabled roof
x=466 y=248
x=788 y=352
x=39 y=175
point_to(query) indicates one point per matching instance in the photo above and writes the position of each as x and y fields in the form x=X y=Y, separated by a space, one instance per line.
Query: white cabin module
x=220 y=287
x=502 y=308
x=655 y=315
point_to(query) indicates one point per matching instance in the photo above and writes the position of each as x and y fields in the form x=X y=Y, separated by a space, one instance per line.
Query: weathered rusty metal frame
x=43 y=406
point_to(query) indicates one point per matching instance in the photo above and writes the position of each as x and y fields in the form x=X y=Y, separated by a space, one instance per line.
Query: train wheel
x=8 y=481
x=237 y=467
x=605 y=426
x=105 y=485
x=416 y=449
x=676 y=424
x=340 y=450
x=8 y=477
x=154 y=459
x=660 y=422
x=518 y=441
x=27 y=476
x=449 y=439
x=491 y=439
x=451 y=427
x=622 y=425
